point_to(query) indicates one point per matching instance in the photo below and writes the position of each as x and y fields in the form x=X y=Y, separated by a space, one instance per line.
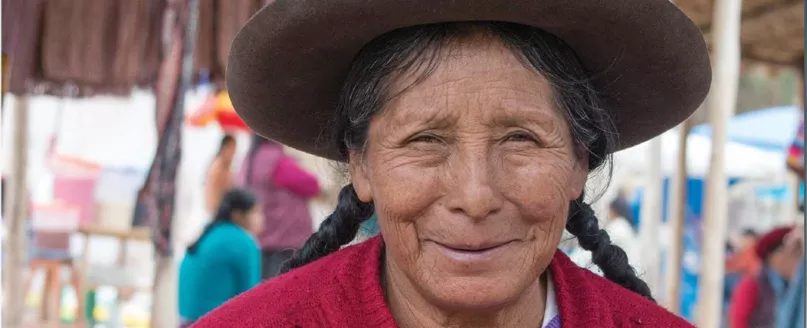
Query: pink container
x=79 y=192
x=74 y=183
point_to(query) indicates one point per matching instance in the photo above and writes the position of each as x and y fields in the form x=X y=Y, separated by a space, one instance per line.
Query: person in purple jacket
x=284 y=189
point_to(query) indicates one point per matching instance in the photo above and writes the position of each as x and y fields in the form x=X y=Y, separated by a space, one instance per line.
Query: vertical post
x=721 y=102
x=4 y=63
x=651 y=216
x=677 y=221
x=16 y=213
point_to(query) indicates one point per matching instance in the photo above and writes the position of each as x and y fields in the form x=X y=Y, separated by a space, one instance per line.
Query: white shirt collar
x=551 y=304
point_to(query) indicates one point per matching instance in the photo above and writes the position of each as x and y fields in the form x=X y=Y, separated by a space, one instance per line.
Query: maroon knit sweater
x=344 y=290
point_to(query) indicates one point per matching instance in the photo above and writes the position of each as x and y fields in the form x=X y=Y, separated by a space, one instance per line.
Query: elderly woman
x=469 y=128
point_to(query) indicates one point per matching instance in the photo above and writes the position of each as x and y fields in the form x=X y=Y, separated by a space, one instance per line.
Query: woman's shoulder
x=313 y=295
x=228 y=236
x=631 y=309
x=228 y=231
x=590 y=298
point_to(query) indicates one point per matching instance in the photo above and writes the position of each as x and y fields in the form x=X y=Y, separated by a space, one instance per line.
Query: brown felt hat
x=288 y=63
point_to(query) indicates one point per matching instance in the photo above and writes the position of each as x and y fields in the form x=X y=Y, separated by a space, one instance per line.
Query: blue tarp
x=770 y=129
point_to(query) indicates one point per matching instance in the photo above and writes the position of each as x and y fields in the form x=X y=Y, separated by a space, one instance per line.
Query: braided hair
x=233 y=200
x=611 y=259
x=418 y=50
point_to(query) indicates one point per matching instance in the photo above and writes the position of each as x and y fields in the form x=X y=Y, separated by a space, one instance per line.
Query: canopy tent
x=769 y=129
x=113 y=45
x=771 y=36
x=755 y=154
x=738 y=32
x=772 y=31
x=756 y=148
x=742 y=160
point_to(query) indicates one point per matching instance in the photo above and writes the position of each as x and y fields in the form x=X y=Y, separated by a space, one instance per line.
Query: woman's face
x=471 y=172
x=251 y=220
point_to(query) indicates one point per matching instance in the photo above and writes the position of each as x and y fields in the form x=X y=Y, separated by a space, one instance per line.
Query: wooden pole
x=722 y=101
x=650 y=219
x=15 y=215
x=677 y=221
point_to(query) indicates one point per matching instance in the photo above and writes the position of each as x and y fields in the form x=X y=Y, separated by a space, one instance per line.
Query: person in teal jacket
x=225 y=261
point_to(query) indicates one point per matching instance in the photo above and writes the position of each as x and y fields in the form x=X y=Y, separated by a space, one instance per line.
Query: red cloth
x=766 y=244
x=743 y=302
x=344 y=290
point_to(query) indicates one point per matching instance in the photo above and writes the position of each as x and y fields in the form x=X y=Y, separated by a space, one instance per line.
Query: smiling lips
x=472 y=248
x=471 y=254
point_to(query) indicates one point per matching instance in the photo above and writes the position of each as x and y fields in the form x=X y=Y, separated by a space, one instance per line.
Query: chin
x=477 y=293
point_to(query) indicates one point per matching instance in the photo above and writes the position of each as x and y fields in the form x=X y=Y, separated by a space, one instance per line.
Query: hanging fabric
x=219 y=21
x=101 y=46
x=21 y=29
x=173 y=82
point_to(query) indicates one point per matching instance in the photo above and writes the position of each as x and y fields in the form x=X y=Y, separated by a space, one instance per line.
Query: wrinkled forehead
x=476 y=75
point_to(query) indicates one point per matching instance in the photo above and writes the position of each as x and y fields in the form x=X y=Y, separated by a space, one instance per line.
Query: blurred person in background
x=774 y=296
x=284 y=188
x=741 y=261
x=225 y=261
x=219 y=175
x=744 y=260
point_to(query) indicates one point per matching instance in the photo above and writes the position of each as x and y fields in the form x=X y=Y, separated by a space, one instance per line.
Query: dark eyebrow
x=412 y=118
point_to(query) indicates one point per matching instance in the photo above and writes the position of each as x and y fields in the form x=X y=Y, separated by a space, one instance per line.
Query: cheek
x=540 y=186
x=402 y=195
x=402 y=190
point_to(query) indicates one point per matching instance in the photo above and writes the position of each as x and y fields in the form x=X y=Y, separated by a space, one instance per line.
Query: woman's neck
x=411 y=309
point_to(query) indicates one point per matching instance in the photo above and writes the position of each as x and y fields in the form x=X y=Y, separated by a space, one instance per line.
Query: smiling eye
x=520 y=137
x=425 y=138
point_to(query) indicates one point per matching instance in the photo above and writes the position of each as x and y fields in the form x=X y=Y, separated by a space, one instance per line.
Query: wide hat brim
x=288 y=63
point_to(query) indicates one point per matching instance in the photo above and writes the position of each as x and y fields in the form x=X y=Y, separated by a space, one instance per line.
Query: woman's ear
x=579 y=174
x=359 y=177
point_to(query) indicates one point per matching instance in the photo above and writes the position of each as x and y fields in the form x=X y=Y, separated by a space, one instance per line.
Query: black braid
x=338 y=229
x=611 y=259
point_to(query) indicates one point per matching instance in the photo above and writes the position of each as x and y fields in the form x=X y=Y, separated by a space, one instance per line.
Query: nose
x=474 y=192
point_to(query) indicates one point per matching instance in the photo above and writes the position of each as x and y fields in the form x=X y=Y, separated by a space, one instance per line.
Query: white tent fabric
x=741 y=160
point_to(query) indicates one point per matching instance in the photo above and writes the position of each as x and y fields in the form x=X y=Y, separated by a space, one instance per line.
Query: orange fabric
x=218 y=108
x=205 y=114
x=745 y=262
